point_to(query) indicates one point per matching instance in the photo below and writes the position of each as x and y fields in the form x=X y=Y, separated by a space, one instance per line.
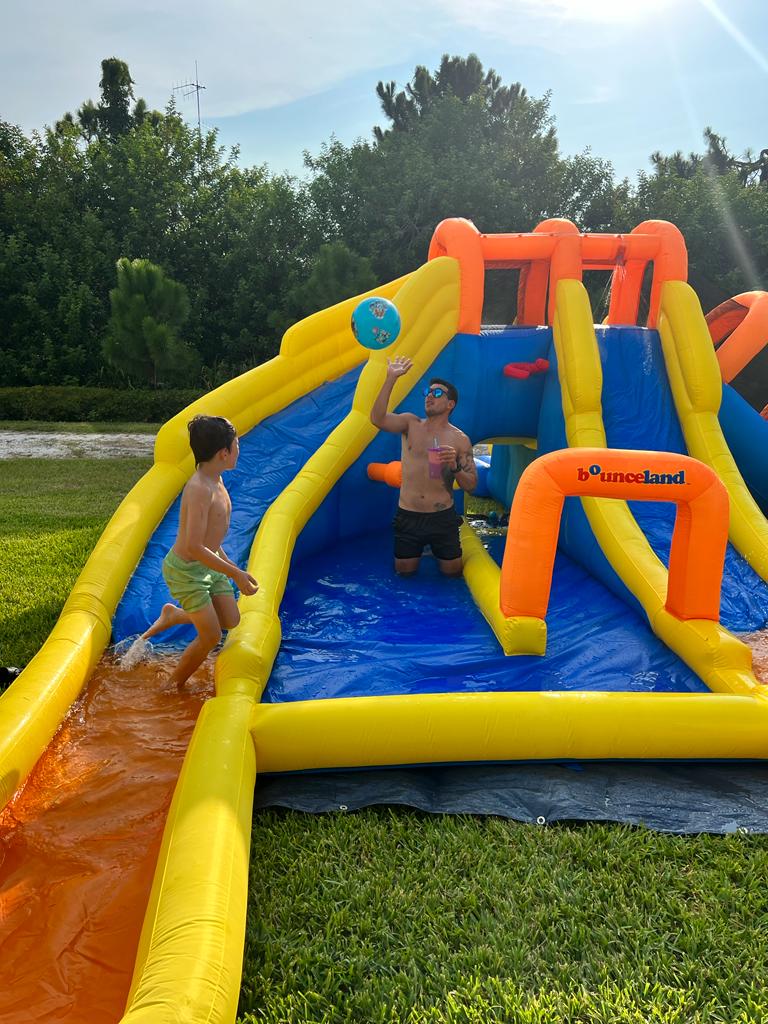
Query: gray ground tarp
x=682 y=798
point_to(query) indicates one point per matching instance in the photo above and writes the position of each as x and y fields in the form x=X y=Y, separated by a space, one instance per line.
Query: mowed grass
x=44 y=426
x=389 y=915
x=52 y=512
x=392 y=916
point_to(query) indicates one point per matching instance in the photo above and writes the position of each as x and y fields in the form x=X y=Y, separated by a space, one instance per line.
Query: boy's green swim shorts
x=193 y=584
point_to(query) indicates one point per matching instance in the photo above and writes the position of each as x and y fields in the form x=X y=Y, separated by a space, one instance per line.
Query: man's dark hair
x=451 y=390
x=208 y=435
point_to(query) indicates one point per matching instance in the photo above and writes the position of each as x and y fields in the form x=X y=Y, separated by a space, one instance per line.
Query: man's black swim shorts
x=414 y=530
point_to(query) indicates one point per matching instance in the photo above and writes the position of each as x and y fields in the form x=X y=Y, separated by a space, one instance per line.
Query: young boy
x=196 y=568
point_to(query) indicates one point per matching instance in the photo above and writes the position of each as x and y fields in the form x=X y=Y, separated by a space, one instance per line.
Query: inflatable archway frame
x=699 y=539
x=556 y=251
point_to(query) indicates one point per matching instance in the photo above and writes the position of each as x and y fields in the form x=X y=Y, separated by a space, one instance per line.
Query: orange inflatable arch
x=698 y=542
x=556 y=250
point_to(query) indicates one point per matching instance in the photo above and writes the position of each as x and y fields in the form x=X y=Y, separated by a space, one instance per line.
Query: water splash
x=131 y=651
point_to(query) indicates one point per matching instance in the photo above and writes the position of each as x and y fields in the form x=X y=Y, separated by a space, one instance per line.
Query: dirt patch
x=18 y=444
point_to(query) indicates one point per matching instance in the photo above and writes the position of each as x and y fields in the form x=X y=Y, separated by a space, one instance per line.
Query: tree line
x=134 y=250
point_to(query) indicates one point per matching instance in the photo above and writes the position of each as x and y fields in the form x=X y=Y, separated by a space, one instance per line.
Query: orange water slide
x=79 y=844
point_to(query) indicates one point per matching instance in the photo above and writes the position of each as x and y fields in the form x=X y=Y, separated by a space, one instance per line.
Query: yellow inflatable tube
x=428 y=304
x=445 y=728
x=717 y=657
x=189 y=964
x=190 y=953
x=517 y=634
x=697 y=389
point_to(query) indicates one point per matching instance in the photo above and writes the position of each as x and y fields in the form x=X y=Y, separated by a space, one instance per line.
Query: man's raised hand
x=398 y=366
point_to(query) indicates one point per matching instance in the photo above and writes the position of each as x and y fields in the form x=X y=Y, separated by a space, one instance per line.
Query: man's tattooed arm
x=466 y=471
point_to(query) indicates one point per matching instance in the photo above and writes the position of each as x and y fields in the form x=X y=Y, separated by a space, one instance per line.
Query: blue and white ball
x=375 y=322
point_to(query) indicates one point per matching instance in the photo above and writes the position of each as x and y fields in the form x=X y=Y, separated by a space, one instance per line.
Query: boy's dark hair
x=453 y=393
x=208 y=435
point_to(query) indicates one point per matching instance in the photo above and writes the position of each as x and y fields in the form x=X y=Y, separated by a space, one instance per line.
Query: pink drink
x=435 y=465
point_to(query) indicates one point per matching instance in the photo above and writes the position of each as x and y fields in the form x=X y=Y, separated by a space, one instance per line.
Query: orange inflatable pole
x=534 y=277
x=745 y=318
x=565 y=265
x=671 y=263
x=699 y=538
x=626 y=284
x=460 y=239
x=653 y=239
x=390 y=473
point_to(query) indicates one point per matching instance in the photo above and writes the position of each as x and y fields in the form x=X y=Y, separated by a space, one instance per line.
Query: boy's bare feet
x=171 y=615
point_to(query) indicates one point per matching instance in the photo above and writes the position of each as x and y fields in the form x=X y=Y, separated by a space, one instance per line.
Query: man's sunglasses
x=435 y=392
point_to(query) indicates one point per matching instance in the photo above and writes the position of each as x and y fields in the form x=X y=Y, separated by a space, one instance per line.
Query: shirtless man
x=426 y=513
x=196 y=568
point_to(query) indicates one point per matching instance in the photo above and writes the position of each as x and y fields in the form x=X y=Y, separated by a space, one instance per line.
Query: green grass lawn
x=392 y=916
x=52 y=512
x=388 y=915
x=80 y=428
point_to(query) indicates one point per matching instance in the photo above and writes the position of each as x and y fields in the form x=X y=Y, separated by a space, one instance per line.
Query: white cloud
x=250 y=55
x=259 y=55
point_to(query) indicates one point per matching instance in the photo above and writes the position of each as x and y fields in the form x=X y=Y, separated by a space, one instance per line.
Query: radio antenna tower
x=189 y=88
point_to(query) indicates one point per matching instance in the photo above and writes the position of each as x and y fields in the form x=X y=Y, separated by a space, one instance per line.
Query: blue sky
x=626 y=76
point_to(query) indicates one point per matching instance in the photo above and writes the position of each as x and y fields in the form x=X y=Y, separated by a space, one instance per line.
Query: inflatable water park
x=605 y=623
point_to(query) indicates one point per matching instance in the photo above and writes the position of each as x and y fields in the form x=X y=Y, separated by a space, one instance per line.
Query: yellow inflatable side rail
x=189 y=964
x=517 y=634
x=714 y=654
x=443 y=728
x=428 y=306
x=319 y=348
x=697 y=389
x=190 y=952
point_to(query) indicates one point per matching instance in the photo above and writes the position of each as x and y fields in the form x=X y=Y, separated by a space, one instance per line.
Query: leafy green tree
x=717 y=160
x=461 y=77
x=112 y=117
x=465 y=146
x=721 y=208
x=114 y=114
x=48 y=307
x=148 y=310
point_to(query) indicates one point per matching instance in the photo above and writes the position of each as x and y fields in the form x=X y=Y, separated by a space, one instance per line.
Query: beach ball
x=375 y=322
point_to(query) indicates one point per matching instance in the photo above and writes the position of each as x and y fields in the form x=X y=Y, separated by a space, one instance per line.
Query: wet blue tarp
x=270 y=456
x=351 y=627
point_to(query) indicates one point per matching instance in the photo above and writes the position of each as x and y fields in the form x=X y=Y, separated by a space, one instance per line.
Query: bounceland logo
x=643 y=476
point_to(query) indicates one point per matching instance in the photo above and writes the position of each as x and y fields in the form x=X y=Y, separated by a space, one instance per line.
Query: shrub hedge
x=107 y=405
